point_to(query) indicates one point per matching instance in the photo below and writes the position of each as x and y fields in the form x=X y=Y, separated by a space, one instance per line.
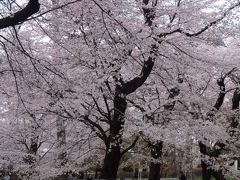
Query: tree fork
x=113 y=153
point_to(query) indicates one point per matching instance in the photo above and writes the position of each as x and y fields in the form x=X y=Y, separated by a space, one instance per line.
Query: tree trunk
x=156 y=153
x=34 y=145
x=206 y=172
x=61 y=141
x=111 y=163
x=122 y=89
x=156 y=149
x=218 y=175
x=113 y=151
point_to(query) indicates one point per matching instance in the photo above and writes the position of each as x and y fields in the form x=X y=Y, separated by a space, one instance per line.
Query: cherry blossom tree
x=84 y=64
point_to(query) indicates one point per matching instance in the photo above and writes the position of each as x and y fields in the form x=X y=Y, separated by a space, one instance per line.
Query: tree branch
x=130 y=147
x=131 y=86
x=203 y=29
x=32 y=7
x=85 y=119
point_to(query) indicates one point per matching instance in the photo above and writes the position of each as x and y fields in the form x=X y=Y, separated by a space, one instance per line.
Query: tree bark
x=235 y=106
x=156 y=153
x=113 y=154
x=218 y=175
x=206 y=172
x=32 y=7
x=34 y=145
x=61 y=141
x=111 y=163
x=156 y=149
x=216 y=152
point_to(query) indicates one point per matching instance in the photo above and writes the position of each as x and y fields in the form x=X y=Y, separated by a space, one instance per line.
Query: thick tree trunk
x=218 y=175
x=235 y=106
x=156 y=149
x=113 y=155
x=113 y=152
x=154 y=173
x=156 y=153
x=111 y=163
x=206 y=172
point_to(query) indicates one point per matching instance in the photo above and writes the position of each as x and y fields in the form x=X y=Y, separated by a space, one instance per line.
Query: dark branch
x=236 y=99
x=235 y=106
x=221 y=94
x=149 y=13
x=32 y=7
x=100 y=133
x=104 y=114
x=131 y=86
x=131 y=146
x=175 y=14
x=203 y=29
x=137 y=106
